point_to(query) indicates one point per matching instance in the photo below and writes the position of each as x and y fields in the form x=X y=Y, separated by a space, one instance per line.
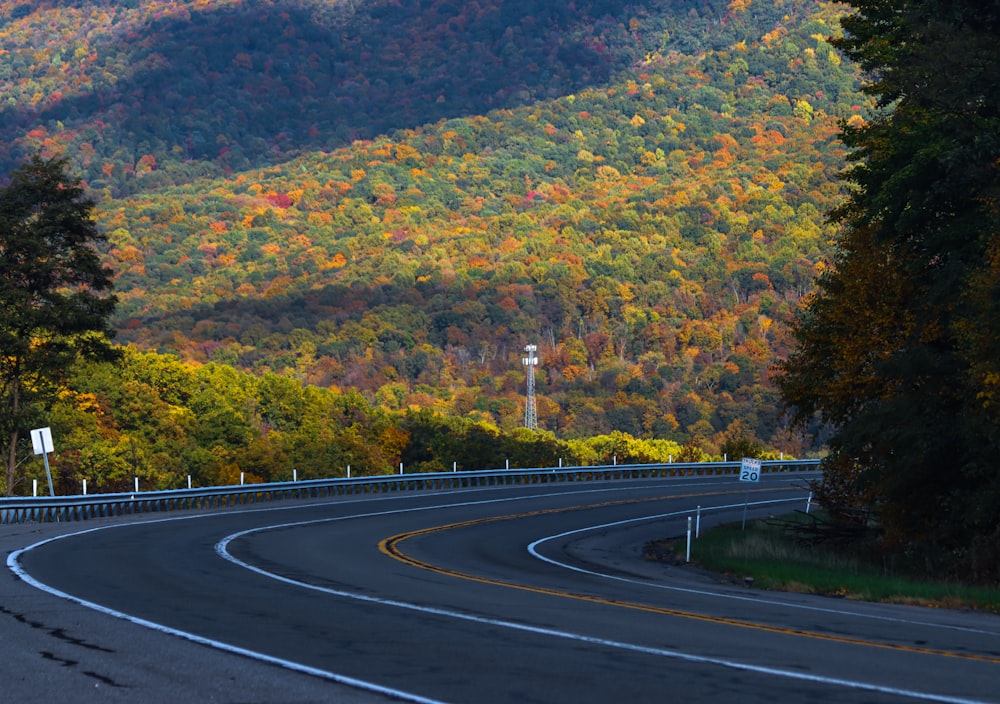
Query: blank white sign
x=41 y=440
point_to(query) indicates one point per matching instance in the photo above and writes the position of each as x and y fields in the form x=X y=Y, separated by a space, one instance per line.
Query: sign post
x=749 y=472
x=41 y=443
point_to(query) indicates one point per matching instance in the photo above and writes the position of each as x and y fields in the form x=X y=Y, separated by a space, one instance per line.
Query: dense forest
x=155 y=418
x=388 y=200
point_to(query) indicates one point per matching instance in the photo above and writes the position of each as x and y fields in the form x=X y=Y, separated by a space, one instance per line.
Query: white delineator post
x=688 y=558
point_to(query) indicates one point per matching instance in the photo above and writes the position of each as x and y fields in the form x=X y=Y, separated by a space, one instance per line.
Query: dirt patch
x=662 y=551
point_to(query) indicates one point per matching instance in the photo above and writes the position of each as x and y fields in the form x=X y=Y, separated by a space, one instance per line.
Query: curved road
x=524 y=594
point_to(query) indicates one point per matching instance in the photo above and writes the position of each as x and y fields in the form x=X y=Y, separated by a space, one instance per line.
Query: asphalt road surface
x=516 y=594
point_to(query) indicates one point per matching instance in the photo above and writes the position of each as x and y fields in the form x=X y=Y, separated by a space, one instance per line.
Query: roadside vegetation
x=777 y=555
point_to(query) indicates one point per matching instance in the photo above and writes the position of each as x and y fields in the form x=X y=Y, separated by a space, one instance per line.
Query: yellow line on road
x=391 y=546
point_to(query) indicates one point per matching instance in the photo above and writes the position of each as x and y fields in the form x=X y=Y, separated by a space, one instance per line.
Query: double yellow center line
x=391 y=546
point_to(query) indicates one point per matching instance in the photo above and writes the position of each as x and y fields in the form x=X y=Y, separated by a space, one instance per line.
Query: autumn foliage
x=393 y=198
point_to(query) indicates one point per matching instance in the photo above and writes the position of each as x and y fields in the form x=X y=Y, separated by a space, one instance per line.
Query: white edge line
x=221 y=549
x=15 y=566
x=533 y=549
x=13 y=563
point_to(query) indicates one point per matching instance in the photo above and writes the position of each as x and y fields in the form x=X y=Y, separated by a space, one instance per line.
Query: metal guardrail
x=86 y=507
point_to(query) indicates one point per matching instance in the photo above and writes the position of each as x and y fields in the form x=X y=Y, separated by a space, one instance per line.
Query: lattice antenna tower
x=530 y=409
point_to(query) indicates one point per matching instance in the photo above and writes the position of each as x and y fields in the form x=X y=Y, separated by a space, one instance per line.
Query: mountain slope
x=228 y=84
x=640 y=191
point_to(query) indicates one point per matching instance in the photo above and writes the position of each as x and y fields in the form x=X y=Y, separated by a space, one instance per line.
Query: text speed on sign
x=749 y=470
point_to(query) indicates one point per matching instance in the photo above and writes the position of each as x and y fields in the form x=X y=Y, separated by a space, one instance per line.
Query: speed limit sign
x=749 y=470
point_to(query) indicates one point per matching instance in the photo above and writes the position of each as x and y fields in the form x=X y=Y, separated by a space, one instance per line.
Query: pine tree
x=898 y=349
x=54 y=293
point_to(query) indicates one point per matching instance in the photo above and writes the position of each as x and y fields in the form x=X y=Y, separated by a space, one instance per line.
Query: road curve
x=514 y=594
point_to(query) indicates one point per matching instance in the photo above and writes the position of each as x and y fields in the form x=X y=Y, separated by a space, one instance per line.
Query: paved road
x=493 y=595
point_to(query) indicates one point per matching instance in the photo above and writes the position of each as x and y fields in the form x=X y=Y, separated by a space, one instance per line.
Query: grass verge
x=771 y=554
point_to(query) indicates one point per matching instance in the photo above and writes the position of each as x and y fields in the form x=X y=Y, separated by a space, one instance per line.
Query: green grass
x=774 y=558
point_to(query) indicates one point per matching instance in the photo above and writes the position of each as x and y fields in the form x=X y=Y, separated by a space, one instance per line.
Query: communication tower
x=530 y=410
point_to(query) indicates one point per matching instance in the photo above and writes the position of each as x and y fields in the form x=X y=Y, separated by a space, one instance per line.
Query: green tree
x=54 y=292
x=897 y=350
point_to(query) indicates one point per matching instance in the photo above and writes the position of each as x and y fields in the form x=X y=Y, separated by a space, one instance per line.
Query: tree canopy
x=55 y=292
x=897 y=350
x=160 y=420
x=396 y=197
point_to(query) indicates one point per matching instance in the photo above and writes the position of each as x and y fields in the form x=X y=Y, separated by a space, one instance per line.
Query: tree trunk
x=11 y=459
x=11 y=462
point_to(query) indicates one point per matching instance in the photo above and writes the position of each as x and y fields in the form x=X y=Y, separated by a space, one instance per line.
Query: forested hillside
x=396 y=197
x=160 y=420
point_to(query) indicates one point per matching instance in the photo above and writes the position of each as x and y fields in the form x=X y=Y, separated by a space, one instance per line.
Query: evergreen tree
x=54 y=293
x=897 y=350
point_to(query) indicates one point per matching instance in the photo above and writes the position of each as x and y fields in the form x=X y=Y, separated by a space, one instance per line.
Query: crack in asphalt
x=61 y=635
x=57 y=633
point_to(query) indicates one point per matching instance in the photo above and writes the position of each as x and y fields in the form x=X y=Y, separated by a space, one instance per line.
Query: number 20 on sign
x=749 y=470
